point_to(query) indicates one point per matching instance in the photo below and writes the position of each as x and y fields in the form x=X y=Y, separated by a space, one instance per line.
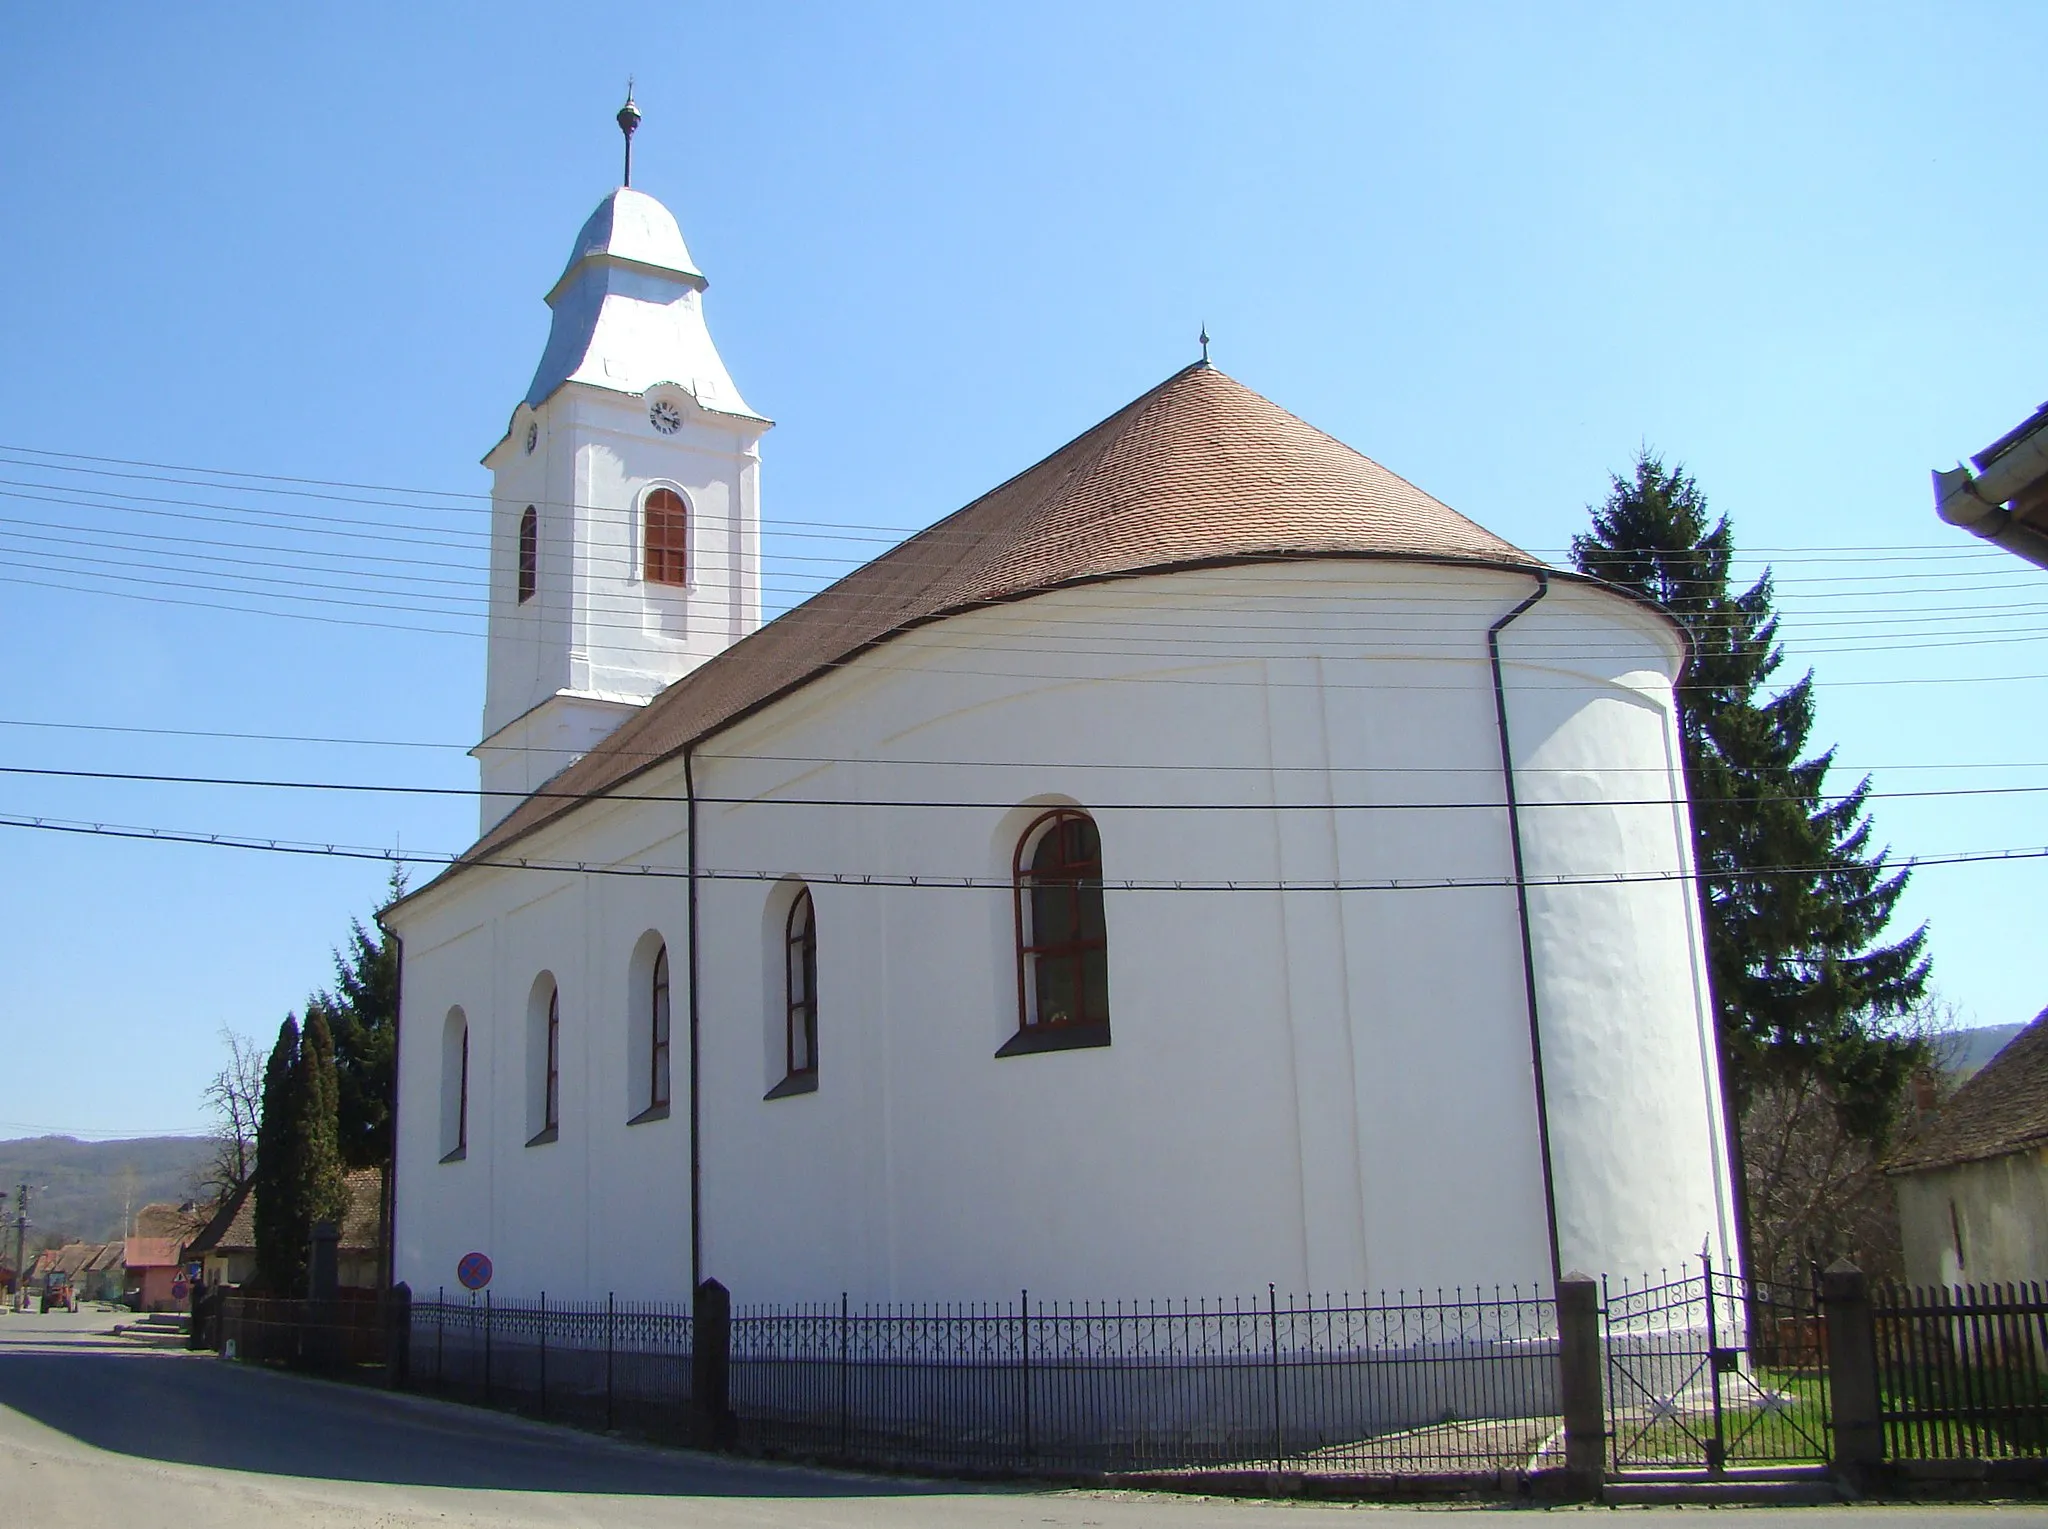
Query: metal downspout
x=389 y=1209
x=696 y=1118
x=1507 y=774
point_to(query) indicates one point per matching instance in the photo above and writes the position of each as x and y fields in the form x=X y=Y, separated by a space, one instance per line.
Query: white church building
x=1204 y=860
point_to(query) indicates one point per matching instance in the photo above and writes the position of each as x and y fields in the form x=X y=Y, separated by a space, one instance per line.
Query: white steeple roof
x=629 y=313
x=632 y=228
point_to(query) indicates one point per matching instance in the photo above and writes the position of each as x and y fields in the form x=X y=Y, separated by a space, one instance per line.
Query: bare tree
x=1817 y=1188
x=235 y=1096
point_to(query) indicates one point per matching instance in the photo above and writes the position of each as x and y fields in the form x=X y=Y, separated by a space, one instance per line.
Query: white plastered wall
x=1323 y=1089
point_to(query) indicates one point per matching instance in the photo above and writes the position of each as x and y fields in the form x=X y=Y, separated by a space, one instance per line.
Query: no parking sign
x=474 y=1271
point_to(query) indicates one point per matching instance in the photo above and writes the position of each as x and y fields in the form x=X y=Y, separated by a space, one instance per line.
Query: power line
x=1533 y=647
x=980 y=764
x=473 y=584
x=483 y=503
x=943 y=882
x=625 y=795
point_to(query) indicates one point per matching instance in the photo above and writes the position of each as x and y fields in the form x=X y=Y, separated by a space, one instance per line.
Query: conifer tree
x=317 y=1168
x=362 y=1013
x=280 y=1223
x=1794 y=897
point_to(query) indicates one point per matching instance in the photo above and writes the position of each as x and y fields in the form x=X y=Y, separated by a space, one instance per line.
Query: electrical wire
x=1489 y=771
x=950 y=882
x=624 y=795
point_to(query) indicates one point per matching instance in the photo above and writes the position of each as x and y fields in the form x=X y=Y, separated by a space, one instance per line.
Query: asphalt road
x=97 y=1431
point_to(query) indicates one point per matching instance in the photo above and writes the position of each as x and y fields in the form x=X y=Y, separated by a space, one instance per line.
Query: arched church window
x=1062 y=936
x=657 y=1059
x=544 y=1062
x=665 y=537
x=529 y=553
x=455 y=1087
x=799 y=998
x=553 y=1106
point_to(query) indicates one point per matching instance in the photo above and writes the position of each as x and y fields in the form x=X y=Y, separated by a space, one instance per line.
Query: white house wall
x=1323 y=1089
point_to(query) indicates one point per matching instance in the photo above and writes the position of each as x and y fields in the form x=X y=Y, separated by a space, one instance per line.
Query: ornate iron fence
x=589 y=1361
x=1455 y=1384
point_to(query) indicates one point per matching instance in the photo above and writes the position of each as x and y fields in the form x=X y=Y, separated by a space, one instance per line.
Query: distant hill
x=80 y=1189
x=1964 y=1051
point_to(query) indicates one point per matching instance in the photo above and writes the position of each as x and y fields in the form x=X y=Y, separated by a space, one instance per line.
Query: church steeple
x=626 y=540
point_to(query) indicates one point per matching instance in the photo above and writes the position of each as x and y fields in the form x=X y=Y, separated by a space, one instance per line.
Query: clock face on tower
x=665 y=417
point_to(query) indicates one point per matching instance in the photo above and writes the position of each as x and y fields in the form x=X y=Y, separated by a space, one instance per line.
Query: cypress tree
x=320 y=1185
x=1794 y=897
x=280 y=1224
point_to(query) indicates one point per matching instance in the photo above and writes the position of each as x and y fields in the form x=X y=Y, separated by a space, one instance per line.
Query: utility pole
x=20 y=1242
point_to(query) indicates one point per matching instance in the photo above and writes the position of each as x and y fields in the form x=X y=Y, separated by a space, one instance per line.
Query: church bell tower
x=625 y=502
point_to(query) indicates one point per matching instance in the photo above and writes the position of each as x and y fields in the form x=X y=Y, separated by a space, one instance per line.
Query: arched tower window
x=664 y=535
x=1062 y=937
x=799 y=998
x=529 y=553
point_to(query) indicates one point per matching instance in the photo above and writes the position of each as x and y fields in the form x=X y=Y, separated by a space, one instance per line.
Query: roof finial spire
x=1204 y=337
x=629 y=118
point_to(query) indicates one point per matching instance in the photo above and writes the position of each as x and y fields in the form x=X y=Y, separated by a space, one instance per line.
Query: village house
x=225 y=1248
x=1972 y=1180
x=1205 y=859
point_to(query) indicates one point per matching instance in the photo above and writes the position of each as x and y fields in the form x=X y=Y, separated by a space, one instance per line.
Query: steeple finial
x=629 y=118
x=1204 y=338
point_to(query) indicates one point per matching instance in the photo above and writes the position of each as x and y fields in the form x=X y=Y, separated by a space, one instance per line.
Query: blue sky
x=1498 y=249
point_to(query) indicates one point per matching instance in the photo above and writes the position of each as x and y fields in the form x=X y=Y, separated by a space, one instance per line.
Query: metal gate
x=1710 y=1372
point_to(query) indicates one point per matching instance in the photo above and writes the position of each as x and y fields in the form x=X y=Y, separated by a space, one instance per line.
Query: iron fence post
x=440 y=1337
x=1717 y=1448
x=1024 y=1363
x=845 y=1376
x=1581 y=1392
x=1852 y=1369
x=610 y=1321
x=487 y=1347
x=1273 y=1324
x=543 y=1326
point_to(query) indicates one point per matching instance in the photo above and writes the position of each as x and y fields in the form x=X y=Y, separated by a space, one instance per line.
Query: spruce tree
x=362 y=1013
x=1794 y=896
x=280 y=1223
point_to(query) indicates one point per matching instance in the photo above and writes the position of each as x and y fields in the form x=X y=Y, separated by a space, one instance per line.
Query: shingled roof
x=2002 y=1108
x=1200 y=470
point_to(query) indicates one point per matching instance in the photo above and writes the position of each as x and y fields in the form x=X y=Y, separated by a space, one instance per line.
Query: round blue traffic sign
x=474 y=1271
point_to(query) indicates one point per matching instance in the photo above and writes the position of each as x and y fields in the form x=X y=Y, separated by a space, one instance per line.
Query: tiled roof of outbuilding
x=152 y=1252
x=1200 y=470
x=2002 y=1108
x=233 y=1228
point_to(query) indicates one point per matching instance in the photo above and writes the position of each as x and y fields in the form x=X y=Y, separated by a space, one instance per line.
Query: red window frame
x=664 y=537
x=1075 y=864
x=529 y=553
x=658 y=1034
x=800 y=987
